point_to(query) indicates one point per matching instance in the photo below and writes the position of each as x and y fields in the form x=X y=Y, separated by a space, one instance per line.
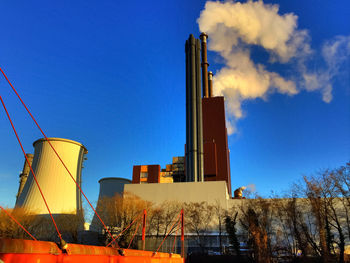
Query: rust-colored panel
x=8 y=245
x=210 y=160
x=214 y=130
x=136 y=174
x=153 y=173
x=20 y=250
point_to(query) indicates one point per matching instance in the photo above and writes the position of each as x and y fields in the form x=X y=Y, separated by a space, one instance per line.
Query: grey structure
x=109 y=187
x=194 y=126
x=25 y=173
x=205 y=64
x=210 y=84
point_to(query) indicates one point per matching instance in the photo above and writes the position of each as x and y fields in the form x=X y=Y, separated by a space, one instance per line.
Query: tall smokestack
x=200 y=176
x=191 y=111
x=210 y=82
x=194 y=126
x=204 y=64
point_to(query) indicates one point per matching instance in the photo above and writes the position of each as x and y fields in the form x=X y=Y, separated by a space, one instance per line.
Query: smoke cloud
x=235 y=28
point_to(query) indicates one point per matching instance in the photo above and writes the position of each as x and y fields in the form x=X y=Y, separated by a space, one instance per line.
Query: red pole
x=182 y=234
x=98 y=216
x=31 y=169
x=144 y=229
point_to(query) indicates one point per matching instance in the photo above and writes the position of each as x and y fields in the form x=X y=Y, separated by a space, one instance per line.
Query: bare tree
x=10 y=229
x=119 y=212
x=231 y=229
x=220 y=215
x=256 y=220
x=198 y=218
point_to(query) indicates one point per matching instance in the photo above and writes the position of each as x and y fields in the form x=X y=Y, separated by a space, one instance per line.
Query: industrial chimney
x=204 y=64
x=60 y=191
x=194 y=126
x=210 y=83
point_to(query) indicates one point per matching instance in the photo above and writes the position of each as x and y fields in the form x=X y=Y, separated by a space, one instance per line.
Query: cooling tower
x=25 y=172
x=109 y=187
x=60 y=191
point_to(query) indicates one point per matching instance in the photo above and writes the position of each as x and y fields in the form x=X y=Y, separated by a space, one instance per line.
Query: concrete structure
x=110 y=186
x=25 y=173
x=216 y=152
x=210 y=192
x=60 y=191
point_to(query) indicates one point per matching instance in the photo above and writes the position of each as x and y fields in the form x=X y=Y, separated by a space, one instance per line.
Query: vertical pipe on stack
x=194 y=127
x=204 y=64
x=191 y=111
x=200 y=163
x=210 y=82
x=188 y=113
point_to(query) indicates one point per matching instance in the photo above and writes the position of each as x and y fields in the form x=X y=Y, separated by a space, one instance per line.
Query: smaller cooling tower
x=109 y=187
x=60 y=191
x=25 y=172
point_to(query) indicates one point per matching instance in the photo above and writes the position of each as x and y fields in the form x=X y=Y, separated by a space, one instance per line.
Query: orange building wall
x=136 y=171
x=153 y=173
x=216 y=152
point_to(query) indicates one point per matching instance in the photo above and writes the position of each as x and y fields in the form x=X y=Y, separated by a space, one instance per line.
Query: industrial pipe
x=210 y=82
x=200 y=169
x=193 y=107
x=204 y=64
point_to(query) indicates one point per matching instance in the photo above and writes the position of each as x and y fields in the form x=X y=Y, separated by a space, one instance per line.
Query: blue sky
x=111 y=75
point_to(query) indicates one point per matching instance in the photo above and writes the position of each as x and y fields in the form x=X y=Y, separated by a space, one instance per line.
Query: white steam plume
x=234 y=28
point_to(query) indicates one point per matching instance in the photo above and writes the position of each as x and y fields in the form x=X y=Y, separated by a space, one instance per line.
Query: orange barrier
x=29 y=251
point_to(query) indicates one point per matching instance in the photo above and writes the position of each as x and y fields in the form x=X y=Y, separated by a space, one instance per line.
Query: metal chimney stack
x=194 y=127
x=210 y=82
x=205 y=64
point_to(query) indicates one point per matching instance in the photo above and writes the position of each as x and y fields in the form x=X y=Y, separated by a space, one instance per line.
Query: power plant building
x=174 y=172
x=207 y=156
x=216 y=152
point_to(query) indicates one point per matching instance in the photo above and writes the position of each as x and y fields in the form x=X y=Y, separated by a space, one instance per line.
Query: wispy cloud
x=234 y=28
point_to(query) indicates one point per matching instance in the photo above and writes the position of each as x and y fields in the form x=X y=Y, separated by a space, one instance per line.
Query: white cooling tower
x=109 y=187
x=60 y=191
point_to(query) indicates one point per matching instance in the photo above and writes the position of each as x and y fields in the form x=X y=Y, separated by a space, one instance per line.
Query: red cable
x=105 y=227
x=171 y=228
x=18 y=223
x=31 y=169
x=137 y=227
x=173 y=249
x=123 y=230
